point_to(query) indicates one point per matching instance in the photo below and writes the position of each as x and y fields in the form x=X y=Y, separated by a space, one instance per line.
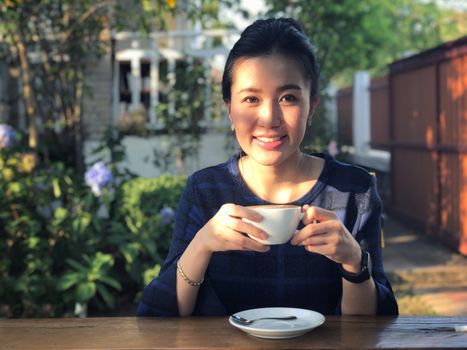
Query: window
x=124 y=81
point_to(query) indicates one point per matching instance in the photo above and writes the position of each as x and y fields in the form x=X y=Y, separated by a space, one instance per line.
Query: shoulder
x=213 y=186
x=347 y=177
x=217 y=174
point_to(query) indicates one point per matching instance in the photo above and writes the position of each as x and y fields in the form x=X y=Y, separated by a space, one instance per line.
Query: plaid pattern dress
x=286 y=275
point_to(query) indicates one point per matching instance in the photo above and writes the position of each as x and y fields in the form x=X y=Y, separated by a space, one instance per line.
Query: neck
x=278 y=183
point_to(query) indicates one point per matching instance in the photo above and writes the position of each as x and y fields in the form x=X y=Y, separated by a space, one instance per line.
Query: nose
x=270 y=115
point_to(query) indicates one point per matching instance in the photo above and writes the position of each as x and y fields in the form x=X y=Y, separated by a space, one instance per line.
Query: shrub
x=144 y=227
x=63 y=245
x=47 y=216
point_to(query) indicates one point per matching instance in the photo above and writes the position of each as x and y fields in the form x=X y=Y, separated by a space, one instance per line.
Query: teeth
x=269 y=139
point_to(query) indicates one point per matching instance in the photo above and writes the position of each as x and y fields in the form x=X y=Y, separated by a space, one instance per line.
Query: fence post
x=361 y=112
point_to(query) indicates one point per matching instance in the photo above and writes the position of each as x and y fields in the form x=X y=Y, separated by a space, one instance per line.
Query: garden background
x=81 y=233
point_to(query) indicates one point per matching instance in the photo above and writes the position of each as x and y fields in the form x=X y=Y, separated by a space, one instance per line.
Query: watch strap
x=363 y=275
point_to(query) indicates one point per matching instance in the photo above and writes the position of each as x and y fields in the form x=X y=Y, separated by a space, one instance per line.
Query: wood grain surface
x=338 y=332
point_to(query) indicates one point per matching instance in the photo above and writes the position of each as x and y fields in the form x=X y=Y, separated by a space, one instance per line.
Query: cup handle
x=301 y=218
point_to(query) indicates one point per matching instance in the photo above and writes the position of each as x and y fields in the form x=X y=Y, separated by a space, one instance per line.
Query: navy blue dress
x=286 y=275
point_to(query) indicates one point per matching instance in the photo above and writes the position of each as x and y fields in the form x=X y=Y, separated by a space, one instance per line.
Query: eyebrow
x=281 y=88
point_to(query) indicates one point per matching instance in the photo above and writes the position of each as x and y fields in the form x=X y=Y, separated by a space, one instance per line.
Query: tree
x=54 y=42
x=352 y=35
x=183 y=120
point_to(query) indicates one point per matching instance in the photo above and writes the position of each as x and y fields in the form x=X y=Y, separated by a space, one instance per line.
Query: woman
x=333 y=264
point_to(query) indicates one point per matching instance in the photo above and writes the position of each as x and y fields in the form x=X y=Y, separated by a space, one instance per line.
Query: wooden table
x=216 y=333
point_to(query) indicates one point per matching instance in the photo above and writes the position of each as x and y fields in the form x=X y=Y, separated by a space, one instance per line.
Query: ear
x=228 y=105
x=313 y=105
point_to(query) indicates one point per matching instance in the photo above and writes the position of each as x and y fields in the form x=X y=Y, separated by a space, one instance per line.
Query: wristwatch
x=365 y=270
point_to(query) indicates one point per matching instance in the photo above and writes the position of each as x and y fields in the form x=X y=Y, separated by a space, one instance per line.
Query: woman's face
x=269 y=107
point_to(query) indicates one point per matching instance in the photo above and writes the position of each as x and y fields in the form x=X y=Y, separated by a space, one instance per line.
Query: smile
x=270 y=143
x=269 y=139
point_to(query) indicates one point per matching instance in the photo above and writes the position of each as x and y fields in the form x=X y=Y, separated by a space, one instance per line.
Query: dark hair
x=269 y=36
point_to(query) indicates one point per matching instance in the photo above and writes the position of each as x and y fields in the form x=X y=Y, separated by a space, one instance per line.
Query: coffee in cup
x=280 y=221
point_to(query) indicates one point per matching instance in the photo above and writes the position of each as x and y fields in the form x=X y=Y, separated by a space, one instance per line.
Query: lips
x=268 y=139
x=270 y=142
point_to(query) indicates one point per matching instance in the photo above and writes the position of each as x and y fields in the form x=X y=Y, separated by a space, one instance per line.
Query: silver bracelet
x=186 y=279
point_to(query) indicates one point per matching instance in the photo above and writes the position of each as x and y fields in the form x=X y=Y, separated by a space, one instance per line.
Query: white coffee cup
x=279 y=222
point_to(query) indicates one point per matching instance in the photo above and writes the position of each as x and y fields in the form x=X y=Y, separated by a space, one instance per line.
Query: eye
x=289 y=98
x=251 y=99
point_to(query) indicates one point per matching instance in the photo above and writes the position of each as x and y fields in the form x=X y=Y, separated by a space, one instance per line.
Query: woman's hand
x=325 y=234
x=226 y=230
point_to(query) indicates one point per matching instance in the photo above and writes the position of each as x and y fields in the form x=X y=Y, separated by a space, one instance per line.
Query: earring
x=309 y=122
x=232 y=127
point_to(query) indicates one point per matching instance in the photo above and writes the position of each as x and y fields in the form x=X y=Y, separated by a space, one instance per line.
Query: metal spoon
x=245 y=321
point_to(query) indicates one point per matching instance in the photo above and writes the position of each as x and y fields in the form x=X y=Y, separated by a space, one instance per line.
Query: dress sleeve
x=160 y=296
x=369 y=238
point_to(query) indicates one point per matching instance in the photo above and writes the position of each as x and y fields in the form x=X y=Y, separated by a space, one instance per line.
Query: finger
x=243 y=242
x=239 y=211
x=324 y=249
x=239 y=225
x=252 y=245
x=308 y=231
x=316 y=240
x=317 y=214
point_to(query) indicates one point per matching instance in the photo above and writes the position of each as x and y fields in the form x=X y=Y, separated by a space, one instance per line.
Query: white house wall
x=215 y=147
x=102 y=108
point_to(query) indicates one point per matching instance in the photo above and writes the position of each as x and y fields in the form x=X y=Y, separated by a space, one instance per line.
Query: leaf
x=151 y=273
x=81 y=223
x=146 y=5
x=111 y=282
x=102 y=262
x=15 y=187
x=85 y=291
x=68 y=280
x=60 y=214
x=109 y=300
x=77 y=265
x=56 y=188
x=130 y=251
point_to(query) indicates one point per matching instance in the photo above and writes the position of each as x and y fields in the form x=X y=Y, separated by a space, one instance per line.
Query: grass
x=410 y=304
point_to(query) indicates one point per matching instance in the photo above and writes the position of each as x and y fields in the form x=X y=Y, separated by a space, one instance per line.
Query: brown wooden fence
x=379 y=113
x=428 y=133
x=419 y=113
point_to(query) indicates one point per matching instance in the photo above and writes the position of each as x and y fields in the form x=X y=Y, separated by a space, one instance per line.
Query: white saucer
x=276 y=329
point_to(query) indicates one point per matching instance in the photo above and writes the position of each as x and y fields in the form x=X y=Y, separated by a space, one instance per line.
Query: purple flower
x=97 y=177
x=167 y=214
x=7 y=136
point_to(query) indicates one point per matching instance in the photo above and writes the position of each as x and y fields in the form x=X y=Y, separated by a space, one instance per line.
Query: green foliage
x=84 y=280
x=318 y=136
x=64 y=36
x=60 y=245
x=181 y=111
x=364 y=35
x=46 y=215
x=142 y=237
x=55 y=43
x=352 y=35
